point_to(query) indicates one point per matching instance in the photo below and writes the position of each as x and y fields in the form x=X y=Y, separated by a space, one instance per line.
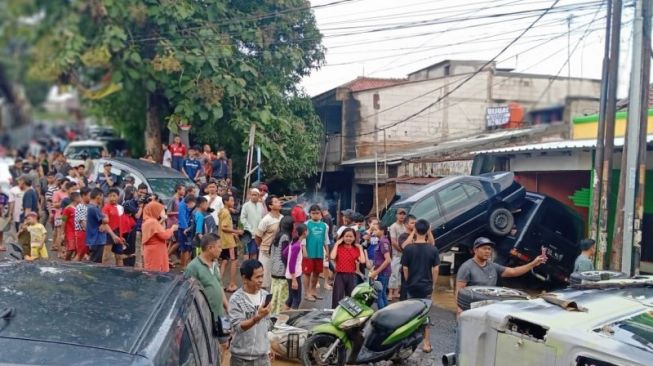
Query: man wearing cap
x=480 y=271
x=395 y=230
x=106 y=179
x=584 y=261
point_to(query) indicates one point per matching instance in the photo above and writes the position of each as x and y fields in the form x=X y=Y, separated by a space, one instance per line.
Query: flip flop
x=319 y=297
x=310 y=298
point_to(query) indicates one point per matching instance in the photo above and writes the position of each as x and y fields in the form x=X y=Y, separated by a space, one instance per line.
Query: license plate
x=350 y=306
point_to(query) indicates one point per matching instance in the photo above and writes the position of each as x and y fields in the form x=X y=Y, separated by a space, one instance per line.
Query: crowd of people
x=205 y=232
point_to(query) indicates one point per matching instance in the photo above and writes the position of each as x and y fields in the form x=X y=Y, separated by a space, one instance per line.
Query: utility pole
x=569 y=19
x=377 y=105
x=610 y=110
x=633 y=165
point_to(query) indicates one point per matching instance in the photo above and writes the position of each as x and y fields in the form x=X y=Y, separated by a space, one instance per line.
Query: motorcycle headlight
x=351 y=323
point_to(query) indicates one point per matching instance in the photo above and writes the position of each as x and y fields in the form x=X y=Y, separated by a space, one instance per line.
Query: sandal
x=310 y=298
x=318 y=297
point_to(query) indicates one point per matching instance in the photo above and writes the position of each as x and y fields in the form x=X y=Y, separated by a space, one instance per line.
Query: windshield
x=636 y=331
x=76 y=152
x=390 y=216
x=165 y=187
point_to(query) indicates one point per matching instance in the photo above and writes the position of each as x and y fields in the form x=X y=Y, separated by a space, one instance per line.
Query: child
x=347 y=254
x=279 y=285
x=115 y=244
x=57 y=198
x=294 y=269
x=229 y=237
x=195 y=230
x=316 y=242
x=183 y=239
x=68 y=218
x=381 y=260
x=38 y=235
x=81 y=214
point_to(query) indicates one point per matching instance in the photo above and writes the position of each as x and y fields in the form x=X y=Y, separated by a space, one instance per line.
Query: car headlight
x=351 y=323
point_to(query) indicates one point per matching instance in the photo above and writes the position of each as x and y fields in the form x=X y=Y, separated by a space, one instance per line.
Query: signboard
x=497 y=116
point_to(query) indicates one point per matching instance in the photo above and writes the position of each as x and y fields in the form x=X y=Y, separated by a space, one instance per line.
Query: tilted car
x=598 y=323
x=68 y=314
x=461 y=207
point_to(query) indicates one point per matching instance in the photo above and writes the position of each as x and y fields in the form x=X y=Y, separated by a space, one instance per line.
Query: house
x=377 y=130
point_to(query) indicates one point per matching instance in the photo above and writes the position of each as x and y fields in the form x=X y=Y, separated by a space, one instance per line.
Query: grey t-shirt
x=583 y=264
x=474 y=275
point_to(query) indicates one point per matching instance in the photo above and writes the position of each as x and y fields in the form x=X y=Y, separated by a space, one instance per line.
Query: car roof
x=432 y=187
x=83 y=304
x=149 y=170
x=87 y=143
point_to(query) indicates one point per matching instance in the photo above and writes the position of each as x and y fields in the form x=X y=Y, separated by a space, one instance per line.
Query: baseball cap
x=481 y=241
x=586 y=244
x=401 y=209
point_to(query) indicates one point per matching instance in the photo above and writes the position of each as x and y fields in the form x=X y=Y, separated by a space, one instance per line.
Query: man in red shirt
x=68 y=217
x=178 y=152
x=115 y=244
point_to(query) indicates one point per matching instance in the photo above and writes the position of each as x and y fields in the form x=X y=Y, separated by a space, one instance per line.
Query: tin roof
x=364 y=83
x=553 y=146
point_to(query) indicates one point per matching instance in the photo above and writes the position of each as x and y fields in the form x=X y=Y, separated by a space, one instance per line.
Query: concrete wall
x=531 y=91
x=462 y=113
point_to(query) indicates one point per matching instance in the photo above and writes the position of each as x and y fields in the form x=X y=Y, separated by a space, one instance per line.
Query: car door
x=429 y=209
x=463 y=211
x=207 y=326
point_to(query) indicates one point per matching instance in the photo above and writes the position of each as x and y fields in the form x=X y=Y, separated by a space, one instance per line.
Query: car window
x=590 y=361
x=453 y=198
x=199 y=335
x=474 y=193
x=76 y=152
x=165 y=187
x=187 y=355
x=207 y=321
x=426 y=209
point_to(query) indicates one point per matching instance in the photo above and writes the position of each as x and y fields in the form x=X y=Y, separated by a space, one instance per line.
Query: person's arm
x=237 y=315
x=405 y=263
x=361 y=254
x=394 y=241
x=521 y=270
x=334 y=251
x=199 y=224
x=110 y=180
x=224 y=224
x=243 y=218
x=166 y=234
x=410 y=239
x=262 y=226
x=384 y=265
x=292 y=260
x=430 y=238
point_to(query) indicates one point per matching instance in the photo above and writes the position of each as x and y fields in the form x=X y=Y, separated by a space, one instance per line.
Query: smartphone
x=268 y=299
x=544 y=254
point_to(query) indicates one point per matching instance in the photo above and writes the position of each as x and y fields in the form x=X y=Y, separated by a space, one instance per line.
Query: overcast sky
x=390 y=38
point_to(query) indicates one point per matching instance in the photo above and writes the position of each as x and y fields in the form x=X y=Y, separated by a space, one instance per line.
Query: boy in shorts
x=115 y=244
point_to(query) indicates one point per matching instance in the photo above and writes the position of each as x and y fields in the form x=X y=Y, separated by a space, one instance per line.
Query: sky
x=390 y=38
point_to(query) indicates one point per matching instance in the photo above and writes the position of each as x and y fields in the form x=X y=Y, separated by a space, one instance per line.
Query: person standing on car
x=480 y=271
x=420 y=263
x=178 y=152
x=106 y=180
x=584 y=262
x=249 y=314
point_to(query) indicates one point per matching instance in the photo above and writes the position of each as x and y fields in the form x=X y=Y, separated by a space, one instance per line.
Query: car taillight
x=515 y=253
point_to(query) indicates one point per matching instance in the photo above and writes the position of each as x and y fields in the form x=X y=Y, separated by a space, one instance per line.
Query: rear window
x=76 y=152
x=78 y=304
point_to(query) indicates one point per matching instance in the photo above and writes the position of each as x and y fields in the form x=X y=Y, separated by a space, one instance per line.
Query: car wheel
x=501 y=221
x=469 y=295
x=577 y=278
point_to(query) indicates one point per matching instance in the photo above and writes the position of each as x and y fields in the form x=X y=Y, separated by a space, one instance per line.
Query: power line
x=415 y=114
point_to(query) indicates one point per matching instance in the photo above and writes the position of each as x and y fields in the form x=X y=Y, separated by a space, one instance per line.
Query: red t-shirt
x=178 y=150
x=127 y=223
x=346 y=259
x=111 y=212
x=69 y=215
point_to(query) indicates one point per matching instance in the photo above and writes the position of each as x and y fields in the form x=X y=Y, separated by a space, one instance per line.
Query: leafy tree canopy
x=219 y=66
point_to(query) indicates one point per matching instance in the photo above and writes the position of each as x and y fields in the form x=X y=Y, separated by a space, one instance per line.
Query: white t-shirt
x=217 y=206
x=255 y=299
x=167 y=159
x=16 y=196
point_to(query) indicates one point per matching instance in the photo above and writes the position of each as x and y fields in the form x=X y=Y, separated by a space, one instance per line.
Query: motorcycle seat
x=395 y=315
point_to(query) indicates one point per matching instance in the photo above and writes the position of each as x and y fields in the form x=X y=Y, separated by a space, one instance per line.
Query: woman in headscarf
x=155 y=250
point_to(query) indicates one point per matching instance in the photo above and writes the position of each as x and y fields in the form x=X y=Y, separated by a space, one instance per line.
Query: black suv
x=461 y=207
x=54 y=313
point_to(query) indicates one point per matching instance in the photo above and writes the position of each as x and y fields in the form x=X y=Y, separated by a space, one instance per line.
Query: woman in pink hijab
x=155 y=250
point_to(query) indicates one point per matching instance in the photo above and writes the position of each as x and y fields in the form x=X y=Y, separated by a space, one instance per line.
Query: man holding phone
x=249 y=310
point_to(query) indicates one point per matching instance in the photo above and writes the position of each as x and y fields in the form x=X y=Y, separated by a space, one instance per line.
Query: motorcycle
x=357 y=335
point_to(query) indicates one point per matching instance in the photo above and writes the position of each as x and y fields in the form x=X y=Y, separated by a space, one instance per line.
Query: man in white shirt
x=215 y=201
x=250 y=216
x=267 y=230
x=16 y=205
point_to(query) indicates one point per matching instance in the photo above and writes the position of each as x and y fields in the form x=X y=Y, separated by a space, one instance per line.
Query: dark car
x=158 y=178
x=543 y=222
x=460 y=207
x=55 y=313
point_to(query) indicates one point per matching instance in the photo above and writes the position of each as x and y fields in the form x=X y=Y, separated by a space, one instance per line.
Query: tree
x=216 y=65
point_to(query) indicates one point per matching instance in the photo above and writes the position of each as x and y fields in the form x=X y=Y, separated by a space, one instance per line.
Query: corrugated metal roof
x=554 y=145
x=364 y=83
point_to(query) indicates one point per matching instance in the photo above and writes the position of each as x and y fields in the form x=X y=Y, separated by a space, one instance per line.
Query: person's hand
x=175 y=227
x=262 y=312
x=339 y=242
x=539 y=260
x=240 y=232
x=295 y=285
x=373 y=275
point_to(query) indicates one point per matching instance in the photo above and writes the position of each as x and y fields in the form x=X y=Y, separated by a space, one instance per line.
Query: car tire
x=501 y=221
x=469 y=295
x=577 y=278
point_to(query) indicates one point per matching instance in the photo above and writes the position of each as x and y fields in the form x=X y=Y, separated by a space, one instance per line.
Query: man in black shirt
x=420 y=261
x=30 y=198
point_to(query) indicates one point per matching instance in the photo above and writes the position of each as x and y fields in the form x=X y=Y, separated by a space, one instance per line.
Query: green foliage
x=220 y=66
